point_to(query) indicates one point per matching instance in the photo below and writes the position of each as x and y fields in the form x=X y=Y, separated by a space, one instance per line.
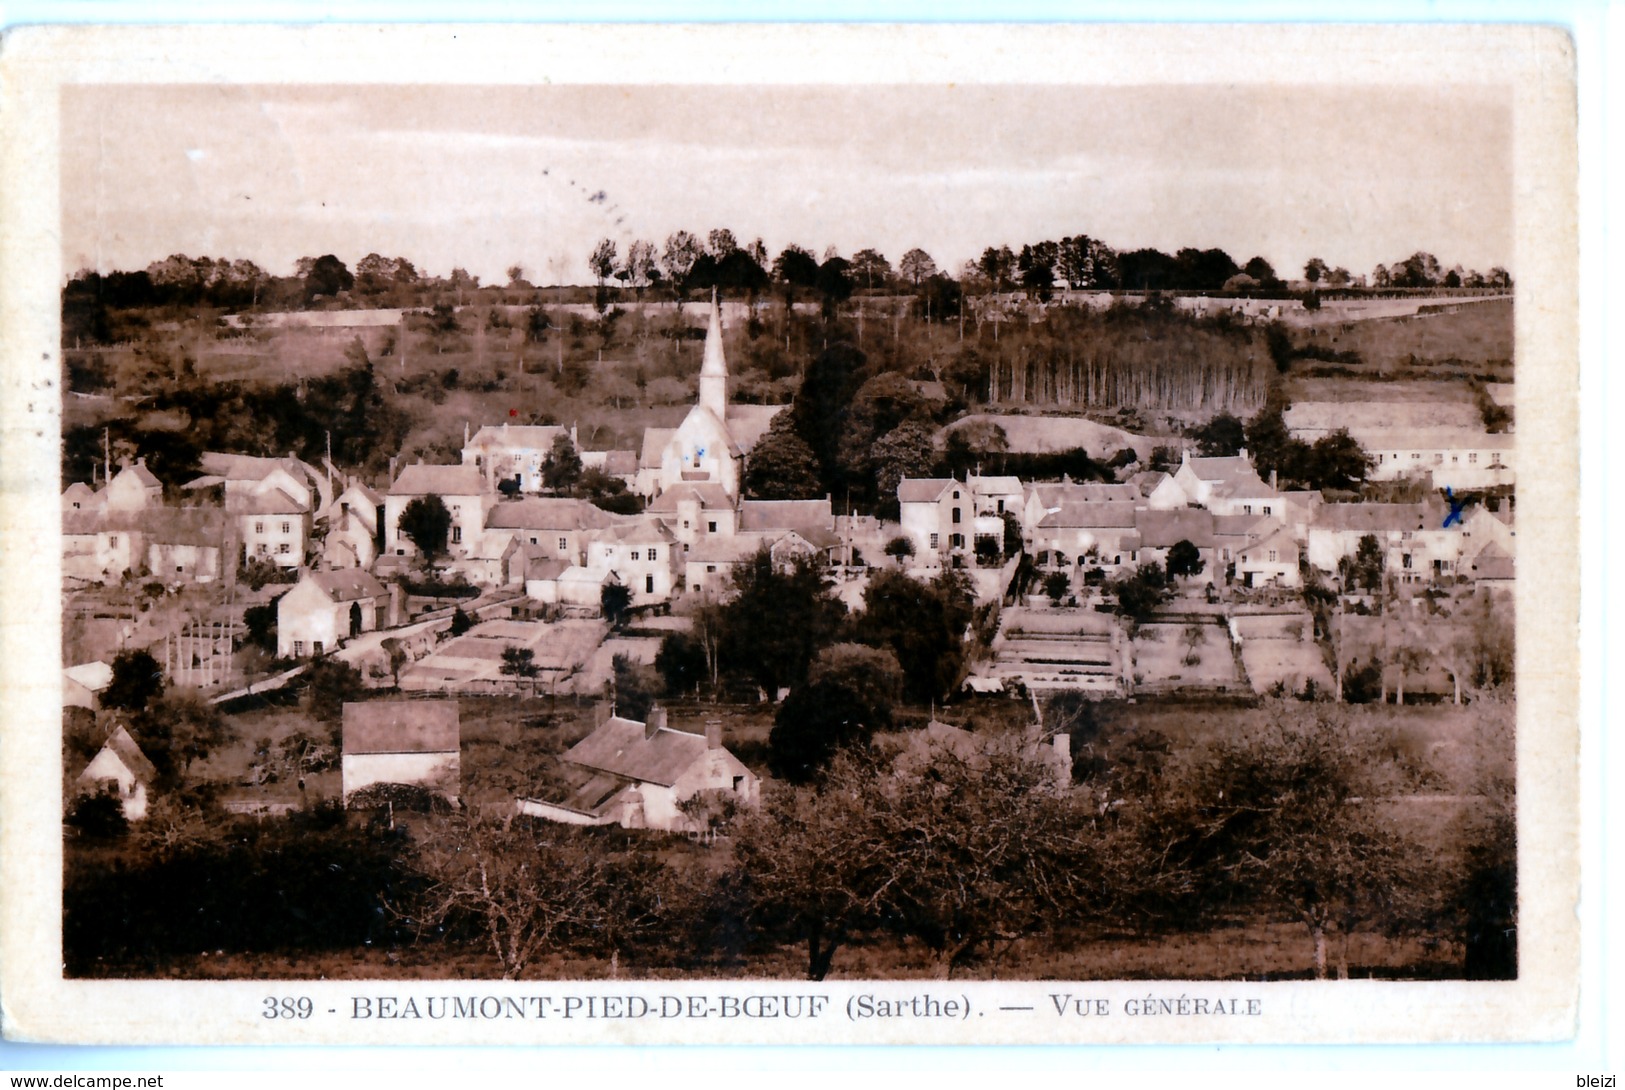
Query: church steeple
x=714 y=370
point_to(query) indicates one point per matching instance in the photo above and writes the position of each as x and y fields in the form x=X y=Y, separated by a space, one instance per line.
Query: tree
x=1221 y=437
x=1139 y=595
x=327 y=276
x=1185 y=559
x=330 y=683
x=137 y=679
x=98 y=816
x=614 y=602
x=917 y=266
x=176 y=729
x=1314 y=270
x=519 y=663
x=561 y=469
x=1366 y=569
x=532 y=890
x=815 y=720
x=1280 y=817
x=782 y=466
x=923 y=624
x=871 y=674
x=681 y=662
x=1336 y=461
x=641 y=265
x=904 y=451
x=1056 y=586
x=997 y=264
x=795 y=267
x=777 y=620
x=870 y=266
x=834 y=283
x=900 y=548
x=1261 y=271
x=460 y=621
x=1194 y=635
x=602 y=261
x=721 y=242
x=426 y=522
x=634 y=685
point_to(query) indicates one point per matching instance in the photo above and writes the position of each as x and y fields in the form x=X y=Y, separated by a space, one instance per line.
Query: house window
x=112 y=542
x=710 y=567
x=259 y=527
x=298 y=647
x=711 y=526
x=1495 y=460
x=1001 y=507
x=1266 y=509
x=317 y=648
x=1455 y=458
x=1380 y=458
x=1246 y=508
x=651 y=555
x=685 y=524
x=456 y=535
x=1272 y=556
x=636 y=554
x=936 y=541
x=956 y=516
x=179 y=569
x=1438 y=459
x=1472 y=458
x=1415 y=457
x=286 y=527
x=1406 y=560
x=648 y=584
x=564 y=543
x=956 y=495
x=533 y=541
x=284 y=548
x=957 y=541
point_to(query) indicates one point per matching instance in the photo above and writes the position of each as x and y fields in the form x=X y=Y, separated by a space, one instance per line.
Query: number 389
x=286 y=1007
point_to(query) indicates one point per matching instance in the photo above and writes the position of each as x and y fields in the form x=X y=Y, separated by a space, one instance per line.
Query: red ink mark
x=513 y=412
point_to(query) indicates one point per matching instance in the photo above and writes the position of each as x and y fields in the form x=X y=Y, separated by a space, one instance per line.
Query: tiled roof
x=426 y=480
x=748 y=423
x=786 y=515
x=270 y=502
x=654 y=445
x=125 y=747
x=528 y=436
x=922 y=489
x=712 y=497
x=1090 y=516
x=728 y=549
x=140 y=473
x=621 y=748
x=1371 y=518
x=1164 y=529
x=547 y=513
x=349 y=584
x=402 y=726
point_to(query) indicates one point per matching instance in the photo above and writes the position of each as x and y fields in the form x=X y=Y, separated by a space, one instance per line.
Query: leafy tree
x=602 y=261
x=641 y=264
x=681 y=662
x=1221 y=437
x=635 y=685
x=917 y=267
x=519 y=663
x=176 y=729
x=871 y=266
x=327 y=276
x=1366 y=568
x=834 y=283
x=1056 y=585
x=460 y=622
x=1261 y=271
x=330 y=683
x=822 y=404
x=904 y=451
x=426 y=522
x=561 y=469
x=782 y=466
x=98 y=816
x=614 y=602
x=137 y=680
x=796 y=267
x=777 y=620
x=815 y=720
x=900 y=548
x=1185 y=559
x=682 y=250
x=923 y=624
x=1139 y=595
x=1314 y=270
x=1336 y=461
x=872 y=674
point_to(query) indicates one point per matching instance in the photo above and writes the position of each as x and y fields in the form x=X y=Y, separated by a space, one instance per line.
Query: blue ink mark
x=1455 y=509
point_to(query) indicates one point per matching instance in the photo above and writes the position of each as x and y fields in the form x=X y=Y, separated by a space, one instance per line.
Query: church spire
x=714 y=369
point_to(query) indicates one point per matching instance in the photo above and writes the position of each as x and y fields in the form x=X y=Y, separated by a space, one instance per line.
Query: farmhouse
x=354 y=523
x=461 y=488
x=1457 y=458
x=133 y=488
x=641 y=775
x=554 y=528
x=1270 y=561
x=512 y=453
x=82 y=685
x=936 y=514
x=415 y=742
x=325 y=608
x=120 y=769
x=1087 y=534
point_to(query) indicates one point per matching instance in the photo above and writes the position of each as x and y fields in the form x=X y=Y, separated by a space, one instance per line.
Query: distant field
x=1478 y=338
x=1336 y=388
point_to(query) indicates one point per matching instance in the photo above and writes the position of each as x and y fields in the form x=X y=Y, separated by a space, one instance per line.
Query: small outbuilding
x=412 y=742
x=120 y=769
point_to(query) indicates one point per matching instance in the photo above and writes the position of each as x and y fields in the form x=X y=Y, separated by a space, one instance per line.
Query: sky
x=489 y=177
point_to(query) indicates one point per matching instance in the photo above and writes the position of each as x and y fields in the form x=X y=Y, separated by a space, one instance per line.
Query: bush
x=98 y=817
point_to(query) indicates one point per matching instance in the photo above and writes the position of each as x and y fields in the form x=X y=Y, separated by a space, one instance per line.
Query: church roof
x=748 y=423
x=654 y=443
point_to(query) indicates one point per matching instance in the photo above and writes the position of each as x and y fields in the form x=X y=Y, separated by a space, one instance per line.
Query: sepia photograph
x=675 y=531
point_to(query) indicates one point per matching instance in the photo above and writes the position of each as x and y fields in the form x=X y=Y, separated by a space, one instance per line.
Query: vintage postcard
x=788 y=534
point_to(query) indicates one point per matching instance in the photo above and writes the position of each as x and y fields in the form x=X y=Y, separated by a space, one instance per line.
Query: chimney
x=600 y=713
x=1272 y=480
x=1243 y=452
x=655 y=722
x=713 y=734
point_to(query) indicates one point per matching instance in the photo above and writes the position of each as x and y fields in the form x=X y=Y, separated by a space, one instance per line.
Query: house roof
x=545 y=568
x=1232 y=470
x=638 y=529
x=1417 y=439
x=124 y=747
x=1493 y=562
x=1371 y=518
x=923 y=489
x=1239 y=525
x=587 y=791
x=729 y=548
x=786 y=515
x=1052 y=494
x=1329 y=416
x=620 y=463
x=1164 y=529
x=80 y=491
x=427 y=480
x=622 y=747
x=273 y=501
x=402 y=726
x=711 y=496
x=203 y=526
x=139 y=472
x=538 y=436
x=547 y=513
x=1280 y=539
x=348 y=584
x=81 y=522
x=995 y=486
x=1090 y=516
x=94 y=676
x=654 y=444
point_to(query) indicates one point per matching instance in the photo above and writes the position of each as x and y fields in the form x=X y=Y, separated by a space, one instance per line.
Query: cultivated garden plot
x=1163 y=655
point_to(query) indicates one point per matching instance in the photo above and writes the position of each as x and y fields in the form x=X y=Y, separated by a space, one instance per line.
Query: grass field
x=1477 y=338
